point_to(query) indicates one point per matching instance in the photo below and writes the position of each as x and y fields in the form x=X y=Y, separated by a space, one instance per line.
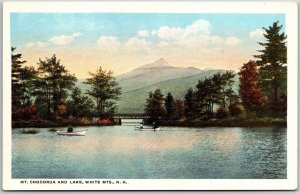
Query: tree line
x=262 y=89
x=49 y=91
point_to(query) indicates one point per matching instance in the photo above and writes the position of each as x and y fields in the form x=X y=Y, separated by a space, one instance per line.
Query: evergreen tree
x=250 y=93
x=28 y=77
x=105 y=89
x=170 y=107
x=272 y=63
x=17 y=91
x=207 y=94
x=22 y=88
x=154 y=106
x=80 y=105
x=228 y=96
x=216 y=90
x=190 y=103
x=52 y=86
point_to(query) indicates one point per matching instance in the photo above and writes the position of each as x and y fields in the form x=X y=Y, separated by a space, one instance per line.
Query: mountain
x=137 y=83
x=152 y=73
x=133 y=101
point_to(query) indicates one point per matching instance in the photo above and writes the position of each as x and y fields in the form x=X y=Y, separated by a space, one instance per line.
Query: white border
x=287 y=8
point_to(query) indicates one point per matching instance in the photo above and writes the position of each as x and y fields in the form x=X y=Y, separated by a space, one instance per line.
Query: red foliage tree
x=252 y=96
x=180 y=109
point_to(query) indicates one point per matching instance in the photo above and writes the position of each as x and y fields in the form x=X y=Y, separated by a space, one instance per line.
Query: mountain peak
x=160 y=63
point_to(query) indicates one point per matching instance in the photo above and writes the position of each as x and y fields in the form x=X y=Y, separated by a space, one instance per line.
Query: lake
x=172 y=153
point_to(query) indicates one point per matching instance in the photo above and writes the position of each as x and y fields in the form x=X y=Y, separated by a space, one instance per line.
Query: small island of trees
x=47 y=96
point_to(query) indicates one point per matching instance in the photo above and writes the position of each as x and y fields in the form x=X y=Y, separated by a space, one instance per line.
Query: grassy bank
x=231 y=122
x=45 y=124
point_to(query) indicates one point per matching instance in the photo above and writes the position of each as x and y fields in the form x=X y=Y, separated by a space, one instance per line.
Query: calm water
x=122 y=152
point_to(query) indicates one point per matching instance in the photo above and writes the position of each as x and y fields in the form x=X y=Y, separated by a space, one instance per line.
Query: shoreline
x=229 y=123
x=232 y=122
x=47 y=124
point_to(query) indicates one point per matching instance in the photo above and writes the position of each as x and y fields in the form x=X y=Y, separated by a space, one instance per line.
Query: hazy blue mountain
x=137 y=83
x=133 y=101
x=152 y=73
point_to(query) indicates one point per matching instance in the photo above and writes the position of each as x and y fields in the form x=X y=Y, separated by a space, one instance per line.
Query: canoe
x=75 y=133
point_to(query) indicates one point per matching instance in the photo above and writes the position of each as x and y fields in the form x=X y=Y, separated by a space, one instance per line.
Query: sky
x=123 y=41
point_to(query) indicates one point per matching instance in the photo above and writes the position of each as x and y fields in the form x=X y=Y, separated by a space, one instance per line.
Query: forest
x=260 y=101
x=48 y=96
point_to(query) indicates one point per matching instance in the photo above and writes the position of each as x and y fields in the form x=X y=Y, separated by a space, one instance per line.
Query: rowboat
x=75 y=133
x=147 y=129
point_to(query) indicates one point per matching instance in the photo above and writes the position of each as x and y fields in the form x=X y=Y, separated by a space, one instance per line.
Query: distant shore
x=232 y=122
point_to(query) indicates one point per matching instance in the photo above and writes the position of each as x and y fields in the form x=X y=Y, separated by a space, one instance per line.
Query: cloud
x=136 y=44
x=198 y=27
x=256 y=34
x=64 y=39
x=111 y=44
x=233 y=41
x=38 y=44
x=143 y=33
x=163 y=44
x=192 y=41
x=154 y=32
x=169 y=33
x=108 y=43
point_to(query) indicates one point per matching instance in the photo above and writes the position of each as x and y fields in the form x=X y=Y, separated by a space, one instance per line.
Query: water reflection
x=122 y=152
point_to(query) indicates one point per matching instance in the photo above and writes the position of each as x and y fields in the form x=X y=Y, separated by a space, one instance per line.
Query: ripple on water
x=173 y=152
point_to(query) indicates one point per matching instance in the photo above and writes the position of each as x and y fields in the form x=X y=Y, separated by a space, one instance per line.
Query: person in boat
x=155 y=125
x=141 y=126
x=70 y=129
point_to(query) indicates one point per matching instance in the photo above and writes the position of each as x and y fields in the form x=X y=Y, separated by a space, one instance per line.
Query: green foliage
x=52 y=86
x=17 y=91
x=154 y=106
x=105 y=89
x=22 y=88
x=216 y=90
x=272 y=66
x=80 y=105
x=170 y=107
x=190 y=103
x=178 y=87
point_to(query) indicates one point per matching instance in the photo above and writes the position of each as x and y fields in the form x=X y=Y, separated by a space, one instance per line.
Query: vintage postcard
x=150 y=96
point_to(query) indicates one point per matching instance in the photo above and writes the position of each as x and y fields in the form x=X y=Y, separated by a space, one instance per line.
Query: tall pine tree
x=170 y=107
x=154 y=106
x=17 y=91
x=190 y=104
x=272 y=63
x=22 y=87
x=105 y=89
x=52 y=86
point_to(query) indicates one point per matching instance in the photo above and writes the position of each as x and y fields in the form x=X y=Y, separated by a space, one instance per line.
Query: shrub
x=221 y=113
x=52 y=130
x=30 y=131
x=235 y=110
x=106 y=121
x=85 y=121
